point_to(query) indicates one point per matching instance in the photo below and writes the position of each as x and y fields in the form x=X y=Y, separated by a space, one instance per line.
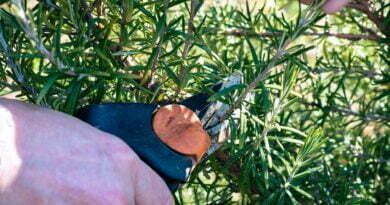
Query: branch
x=304 y=22
x=28 y=29
x=148 y=77
x=366 y=117
x=188 y=41
x=8 y=85
x=379 y=20
x=190 y=28
x=347 y=36
x=30 y=32
x=27 y=26
x=366 y=73
x=15 y=67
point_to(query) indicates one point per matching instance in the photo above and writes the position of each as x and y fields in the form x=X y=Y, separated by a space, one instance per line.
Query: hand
x=47 y=157
x=331 y=6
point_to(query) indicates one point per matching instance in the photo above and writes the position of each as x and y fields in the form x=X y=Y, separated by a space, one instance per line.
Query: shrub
x=314 y=129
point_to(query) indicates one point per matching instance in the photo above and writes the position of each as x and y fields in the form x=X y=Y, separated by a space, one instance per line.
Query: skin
x=331 y=6
x=48 y=157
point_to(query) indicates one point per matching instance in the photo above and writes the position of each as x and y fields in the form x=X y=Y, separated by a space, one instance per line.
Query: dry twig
x=347 y=36
x=379 y=20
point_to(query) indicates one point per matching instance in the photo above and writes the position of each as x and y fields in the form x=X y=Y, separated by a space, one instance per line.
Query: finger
x=150 y=188
x=333 y=6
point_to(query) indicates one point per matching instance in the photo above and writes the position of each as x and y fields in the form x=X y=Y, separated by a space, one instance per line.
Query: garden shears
x=132 y=122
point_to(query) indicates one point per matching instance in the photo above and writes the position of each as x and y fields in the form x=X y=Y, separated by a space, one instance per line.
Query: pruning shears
x=132 y=122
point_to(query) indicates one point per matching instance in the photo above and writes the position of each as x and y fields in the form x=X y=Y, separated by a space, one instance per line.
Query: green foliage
x=313 y=126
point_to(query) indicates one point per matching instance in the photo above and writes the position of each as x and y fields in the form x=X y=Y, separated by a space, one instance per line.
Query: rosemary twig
x=303 y=23
x=27 y=26
x=154 y=61
x=16 y=69
x=188 y=42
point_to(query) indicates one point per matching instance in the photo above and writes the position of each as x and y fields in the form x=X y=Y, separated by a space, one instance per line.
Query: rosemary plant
x=313 y=119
